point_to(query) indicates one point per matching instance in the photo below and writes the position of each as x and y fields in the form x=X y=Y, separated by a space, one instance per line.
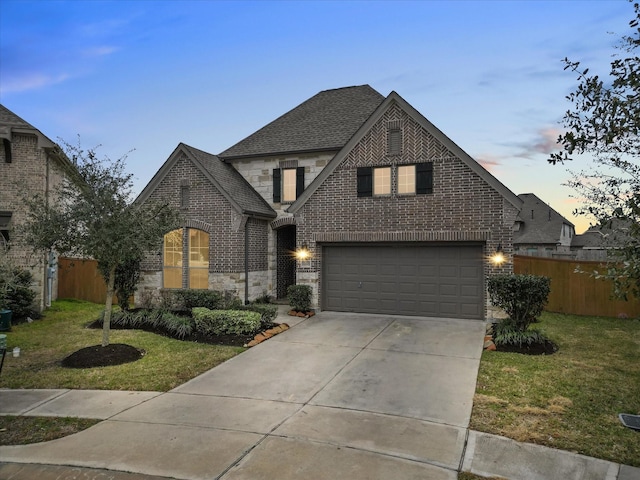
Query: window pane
x=289 y=185
x=198 y=259
x=199 y=278
x=172 y=277
x=198 y=248
x=173 y=249
x=407 y=179
x=173 y=259
x=382 y=181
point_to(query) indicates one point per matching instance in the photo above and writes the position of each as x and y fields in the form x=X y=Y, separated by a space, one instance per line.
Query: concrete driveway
x=338 y=395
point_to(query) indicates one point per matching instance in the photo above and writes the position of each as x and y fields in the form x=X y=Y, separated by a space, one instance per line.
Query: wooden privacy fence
x=573 y=292
x=80 y=279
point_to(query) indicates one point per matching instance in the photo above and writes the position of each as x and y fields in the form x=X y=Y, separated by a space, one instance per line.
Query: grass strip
x=44 y=343
x=569 y=400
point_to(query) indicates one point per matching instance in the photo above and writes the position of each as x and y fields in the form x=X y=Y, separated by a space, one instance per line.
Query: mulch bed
x=99 y=356
x=546 y=348
x=119 y=353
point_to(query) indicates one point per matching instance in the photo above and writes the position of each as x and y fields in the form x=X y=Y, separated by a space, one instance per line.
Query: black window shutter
x=299 y=181
x=7 y=150
x=365 y=182
x=424 y=178
x=277 y=184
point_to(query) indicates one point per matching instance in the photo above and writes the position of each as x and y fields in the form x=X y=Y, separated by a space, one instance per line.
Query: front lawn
x=44 y=343
x=569 y=400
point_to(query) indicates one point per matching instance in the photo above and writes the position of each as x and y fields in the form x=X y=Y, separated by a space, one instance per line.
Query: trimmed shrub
x=267 y=312
x=220 y=322
x=300 y=297
x=522 y=297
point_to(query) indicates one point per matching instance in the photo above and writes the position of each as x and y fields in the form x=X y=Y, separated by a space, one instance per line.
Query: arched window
x=186 y=259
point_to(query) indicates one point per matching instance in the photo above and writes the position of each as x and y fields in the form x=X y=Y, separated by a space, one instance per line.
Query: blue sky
x=146 y=75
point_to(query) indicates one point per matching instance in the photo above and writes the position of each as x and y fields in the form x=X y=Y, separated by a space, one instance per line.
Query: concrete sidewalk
x=319 y=401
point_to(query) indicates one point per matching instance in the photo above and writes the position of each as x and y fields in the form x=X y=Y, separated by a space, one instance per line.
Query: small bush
x=506 y=333
x=522 y=297
x=268 y=312
x=264 y=298
x=220 y=322
x=191 y=298
x=299 y=297
x=18 y=295
x=231 y=301
x=177 y=325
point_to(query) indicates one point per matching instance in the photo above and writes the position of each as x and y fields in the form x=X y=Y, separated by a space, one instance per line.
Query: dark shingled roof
x=541 y=223
x=324 y=122
x=613 y=233
x=232 y=182
x=8 y=118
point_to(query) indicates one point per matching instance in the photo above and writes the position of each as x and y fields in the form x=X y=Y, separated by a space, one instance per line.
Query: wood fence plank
x=574 y=290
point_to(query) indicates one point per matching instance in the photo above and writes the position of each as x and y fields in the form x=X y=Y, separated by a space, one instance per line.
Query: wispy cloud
x=31 y=81
x=544 y=141
x=489 y=162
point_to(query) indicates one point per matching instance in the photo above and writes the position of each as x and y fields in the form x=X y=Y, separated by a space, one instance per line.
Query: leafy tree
x=127 y=277
x=95 y=216
x=604 y=122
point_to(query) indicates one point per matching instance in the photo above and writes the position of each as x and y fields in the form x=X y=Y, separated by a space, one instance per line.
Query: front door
x=286 y=262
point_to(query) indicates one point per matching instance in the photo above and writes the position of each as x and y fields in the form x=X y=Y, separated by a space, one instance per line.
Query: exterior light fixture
x=303 y=253
x=498 y=258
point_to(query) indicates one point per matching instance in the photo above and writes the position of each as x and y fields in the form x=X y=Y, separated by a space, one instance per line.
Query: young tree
x=604 y=122
x=95 y=216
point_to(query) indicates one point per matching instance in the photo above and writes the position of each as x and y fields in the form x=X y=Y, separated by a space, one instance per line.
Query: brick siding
x=31 y=172
x=462 y=208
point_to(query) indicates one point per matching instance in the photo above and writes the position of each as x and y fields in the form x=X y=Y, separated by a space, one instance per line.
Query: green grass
x=25 y=430
x=62 y=331
x=571 y=399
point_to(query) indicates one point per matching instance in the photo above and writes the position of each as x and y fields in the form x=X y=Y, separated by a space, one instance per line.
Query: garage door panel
x=424 y=280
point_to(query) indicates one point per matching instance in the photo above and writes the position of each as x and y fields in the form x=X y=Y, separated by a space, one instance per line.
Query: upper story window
x=406 y=179
x=382 y=181
x=288 y=184
x=411 y=179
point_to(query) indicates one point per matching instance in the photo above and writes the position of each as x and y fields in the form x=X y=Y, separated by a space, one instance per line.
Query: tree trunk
x=106 y=324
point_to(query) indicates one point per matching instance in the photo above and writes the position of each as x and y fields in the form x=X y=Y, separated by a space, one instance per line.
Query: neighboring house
x=597 y=241
x=30 y=164
x=540 y=231
x=396 y=217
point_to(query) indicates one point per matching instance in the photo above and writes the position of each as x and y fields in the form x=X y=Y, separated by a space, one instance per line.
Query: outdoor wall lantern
x=498 y=258
x=303 y=253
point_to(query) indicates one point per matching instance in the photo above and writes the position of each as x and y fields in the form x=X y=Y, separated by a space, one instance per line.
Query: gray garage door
x=433 y=281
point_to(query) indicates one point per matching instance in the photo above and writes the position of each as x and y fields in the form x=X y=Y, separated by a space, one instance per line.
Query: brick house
x=540 y=231
x=30 y=164
x=396 y=217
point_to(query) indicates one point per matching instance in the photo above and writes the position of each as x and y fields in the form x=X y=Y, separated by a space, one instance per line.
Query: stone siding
x=209 y=210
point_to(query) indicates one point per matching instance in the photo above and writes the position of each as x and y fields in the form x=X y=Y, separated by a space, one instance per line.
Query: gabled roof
x=244 y=199
x=612 y=233
x=424 y=123
x=541 y=224
x=324 y=122
x=10 y=122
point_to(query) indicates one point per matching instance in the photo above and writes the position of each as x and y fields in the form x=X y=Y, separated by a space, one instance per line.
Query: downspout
x=48 y=270
x=246 y=261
